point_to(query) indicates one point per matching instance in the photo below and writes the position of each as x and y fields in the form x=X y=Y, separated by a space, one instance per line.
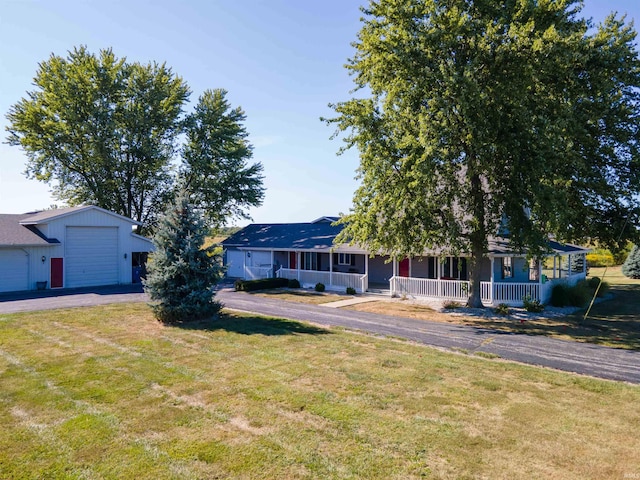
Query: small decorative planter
x=41 y=285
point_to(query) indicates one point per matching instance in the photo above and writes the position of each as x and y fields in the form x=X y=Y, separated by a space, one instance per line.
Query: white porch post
x=569 y=265
x=365 y=287
x=395 y=267
x=298 y=264
x=330 y=268
x=410 y=267
x=491 y=280
x=273 y=272
x=540 y=280
x=554 y=267
x=244 y=265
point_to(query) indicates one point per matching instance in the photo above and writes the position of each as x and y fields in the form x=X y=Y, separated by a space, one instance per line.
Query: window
x=507 y=267
x=310 y=261
x=344 y=259
x=533 y=270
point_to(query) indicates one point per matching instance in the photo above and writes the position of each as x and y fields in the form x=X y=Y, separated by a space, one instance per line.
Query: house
x=69 y=247
x=306 y=251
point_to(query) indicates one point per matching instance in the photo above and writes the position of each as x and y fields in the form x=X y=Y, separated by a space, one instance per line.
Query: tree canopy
x=480 y=116
x=105 y=131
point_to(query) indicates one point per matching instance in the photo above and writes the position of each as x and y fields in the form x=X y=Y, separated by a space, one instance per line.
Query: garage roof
x=13 y=234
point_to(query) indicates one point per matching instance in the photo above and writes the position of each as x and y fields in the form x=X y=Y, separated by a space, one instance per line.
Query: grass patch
x=108 y=392
x=301 y=296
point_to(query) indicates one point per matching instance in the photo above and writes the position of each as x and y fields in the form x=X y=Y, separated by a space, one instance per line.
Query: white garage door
x=14 y=270
x=91 y=256
x=235 y=264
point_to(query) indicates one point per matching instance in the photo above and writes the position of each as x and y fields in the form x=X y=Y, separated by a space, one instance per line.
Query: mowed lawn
x=107 y=392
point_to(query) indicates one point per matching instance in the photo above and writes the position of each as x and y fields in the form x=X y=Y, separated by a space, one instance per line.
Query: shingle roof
x=297 y=236
x=320 y=235
x=12 y=233
x=47 y=215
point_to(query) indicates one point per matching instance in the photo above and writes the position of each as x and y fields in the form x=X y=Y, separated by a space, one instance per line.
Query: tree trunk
x=477 y=251
x=478 y=239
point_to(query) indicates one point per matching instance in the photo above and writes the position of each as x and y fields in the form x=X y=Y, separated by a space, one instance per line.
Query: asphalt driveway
x=584 y=358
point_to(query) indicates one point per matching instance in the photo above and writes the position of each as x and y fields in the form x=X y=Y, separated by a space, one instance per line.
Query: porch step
x=379 y=291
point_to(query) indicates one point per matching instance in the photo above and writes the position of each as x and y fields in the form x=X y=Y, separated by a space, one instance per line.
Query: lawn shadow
x=253 y=325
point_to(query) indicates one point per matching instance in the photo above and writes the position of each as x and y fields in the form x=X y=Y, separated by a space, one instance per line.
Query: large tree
x=480 y=116
x=105 y=131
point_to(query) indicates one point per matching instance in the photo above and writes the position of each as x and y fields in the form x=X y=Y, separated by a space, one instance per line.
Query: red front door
x=56 y=273
x=292 y=260
x=403 y=269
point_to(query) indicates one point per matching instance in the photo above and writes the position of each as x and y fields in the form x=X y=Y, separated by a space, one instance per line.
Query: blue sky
x=282 y=61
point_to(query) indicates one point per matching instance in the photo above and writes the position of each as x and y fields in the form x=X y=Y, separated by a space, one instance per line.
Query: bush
x=593 y=282
x=293 y=283
x=580 y=294
x=319 y=287
x=502 y=309
x=450 y=305
x=600 y=257
x=604 y=289
x=532 y=305
x=559 y=296
x=261 y=284
x=576 y=296
x=631 y=266
x=351 y=291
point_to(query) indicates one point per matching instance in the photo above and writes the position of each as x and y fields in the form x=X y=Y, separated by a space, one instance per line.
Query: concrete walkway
x=350 y=301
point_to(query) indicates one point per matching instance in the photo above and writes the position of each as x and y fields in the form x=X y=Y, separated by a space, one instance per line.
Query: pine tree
x=631 y=266
x=182 y=275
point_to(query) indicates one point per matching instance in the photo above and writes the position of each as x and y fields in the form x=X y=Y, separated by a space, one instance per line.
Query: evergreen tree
x=181 y=274
x=631 y=266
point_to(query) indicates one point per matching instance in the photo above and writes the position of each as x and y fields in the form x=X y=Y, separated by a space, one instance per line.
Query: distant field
x=107 y=392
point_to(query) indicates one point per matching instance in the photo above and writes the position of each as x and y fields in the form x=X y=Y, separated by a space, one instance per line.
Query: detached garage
x=69 y=247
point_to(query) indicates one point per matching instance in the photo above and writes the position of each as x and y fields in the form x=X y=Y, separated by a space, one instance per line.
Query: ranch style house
x=306 y=252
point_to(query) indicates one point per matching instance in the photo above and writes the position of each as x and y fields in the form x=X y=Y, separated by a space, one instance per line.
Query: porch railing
x=509 y=293
x=332 y=281
x=255 y=273
x=426 y=287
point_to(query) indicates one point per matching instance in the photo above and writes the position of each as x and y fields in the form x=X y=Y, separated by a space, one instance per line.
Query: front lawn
x=107 y=392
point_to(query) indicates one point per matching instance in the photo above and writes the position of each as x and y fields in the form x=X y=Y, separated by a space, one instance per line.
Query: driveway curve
x=583 y=358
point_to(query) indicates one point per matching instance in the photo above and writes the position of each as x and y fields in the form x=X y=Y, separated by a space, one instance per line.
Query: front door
x=403 y=269
x=56 y=273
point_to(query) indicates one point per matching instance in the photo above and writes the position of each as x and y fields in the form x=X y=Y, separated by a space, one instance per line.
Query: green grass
x=107 y=392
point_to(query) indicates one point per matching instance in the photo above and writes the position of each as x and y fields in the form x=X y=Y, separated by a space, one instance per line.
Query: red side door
x=403 y=268
x=292 y=260
x=56 y=273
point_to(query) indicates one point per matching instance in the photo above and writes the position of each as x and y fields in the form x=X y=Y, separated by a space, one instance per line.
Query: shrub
x=604 y=289
x=600 y=257
x=293 y=283
x=593 y=282
x=502 y=309
x=351 y=291
x=532 y=305
x=261 y=284
x=559 y=296
x=319 y=287
x=579 y=294
x=631 y=266
x=576 y=296
x=451 y=305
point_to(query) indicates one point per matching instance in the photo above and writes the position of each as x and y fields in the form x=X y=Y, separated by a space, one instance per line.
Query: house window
x=507 y=267
x=344 y=259
x=310 y=261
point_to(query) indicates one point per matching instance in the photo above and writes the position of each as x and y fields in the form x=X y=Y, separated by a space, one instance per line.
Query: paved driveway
x=569 y=356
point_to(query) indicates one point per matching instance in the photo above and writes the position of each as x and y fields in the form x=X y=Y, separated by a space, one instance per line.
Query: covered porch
x=508 y=279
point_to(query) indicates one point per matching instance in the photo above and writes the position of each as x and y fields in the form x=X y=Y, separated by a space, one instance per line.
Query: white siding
x=91 y=256
x=235 y=263
x=14 y=270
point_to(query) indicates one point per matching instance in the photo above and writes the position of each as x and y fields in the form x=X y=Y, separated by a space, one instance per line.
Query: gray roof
x=320 y=235
x=284 y=236
x=47 y=215
x=13 y=234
